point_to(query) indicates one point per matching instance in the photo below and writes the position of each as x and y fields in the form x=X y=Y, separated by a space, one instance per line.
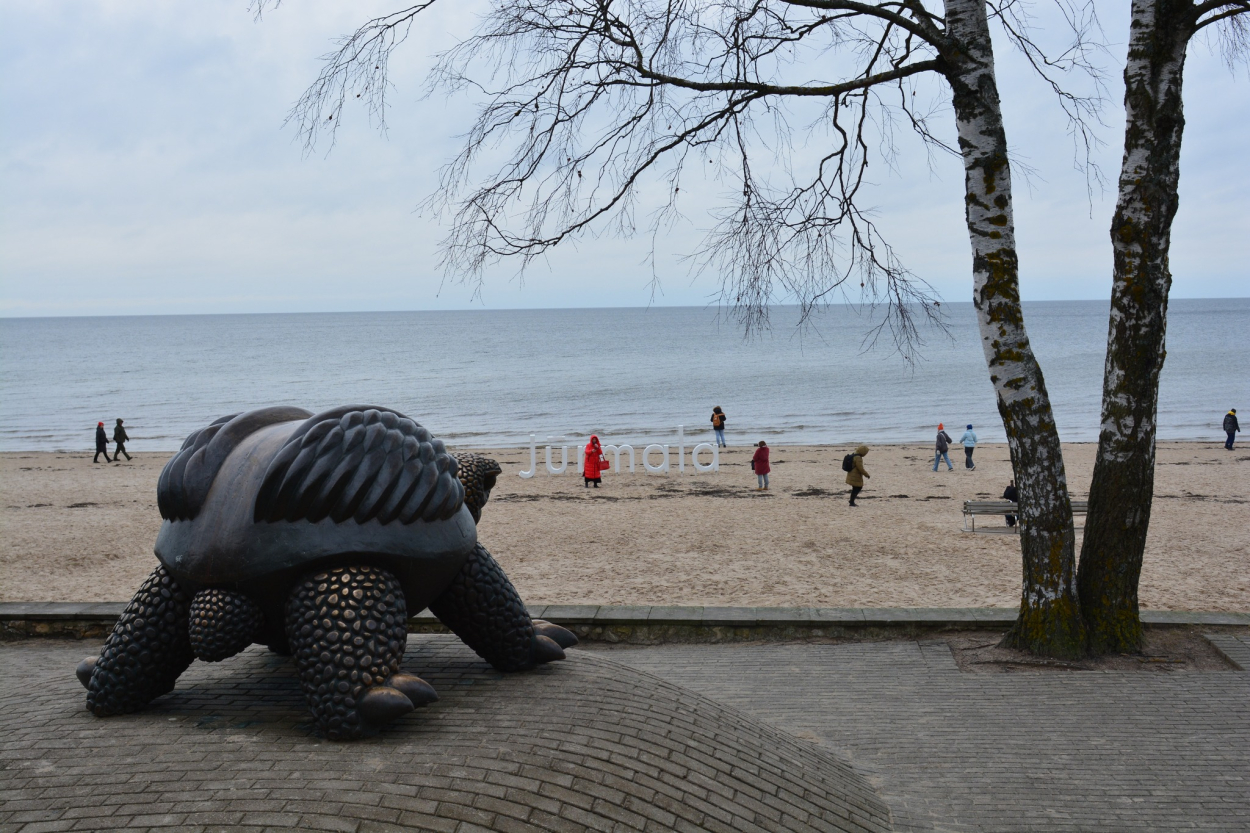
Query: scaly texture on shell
x=223 y=622
x=146 y=651
x=189 y=474
x=347 y=628
x=361 y=463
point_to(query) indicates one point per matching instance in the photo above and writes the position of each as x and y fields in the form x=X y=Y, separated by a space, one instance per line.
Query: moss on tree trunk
x=1049 y=622
x=1123 y=483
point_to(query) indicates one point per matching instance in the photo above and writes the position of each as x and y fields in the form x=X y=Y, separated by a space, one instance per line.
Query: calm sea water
x=492 y=378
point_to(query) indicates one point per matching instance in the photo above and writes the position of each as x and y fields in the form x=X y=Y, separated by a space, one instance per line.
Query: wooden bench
x=972 y=508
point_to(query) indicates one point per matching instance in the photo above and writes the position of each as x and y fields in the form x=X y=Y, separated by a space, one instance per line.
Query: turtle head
x=478 y=475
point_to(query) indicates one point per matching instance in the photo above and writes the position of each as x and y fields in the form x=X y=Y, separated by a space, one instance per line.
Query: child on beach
x=855 y=477
x=969 y=442
x=759 y=464
x=101 y=444
x=595 y=463
x=718 y=425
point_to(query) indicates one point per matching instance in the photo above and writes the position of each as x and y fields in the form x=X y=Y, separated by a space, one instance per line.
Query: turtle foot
x=546 y=650
x=483 y=608
x=146 y=651
x=223 y=623
x=563 y=637
x=382 y=704
x=415 y=689
x=84 y=671
x=347 y=630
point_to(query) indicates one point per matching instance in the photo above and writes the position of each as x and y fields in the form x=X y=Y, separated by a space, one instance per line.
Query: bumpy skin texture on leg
x=347 y=628
x=483 y=608
x=223 y=623
x=147 y=650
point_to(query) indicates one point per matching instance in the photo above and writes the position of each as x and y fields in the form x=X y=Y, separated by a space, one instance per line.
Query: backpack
x=848 y=462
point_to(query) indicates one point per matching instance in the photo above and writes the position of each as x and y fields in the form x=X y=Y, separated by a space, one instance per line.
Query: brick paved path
x=998 y=752
x=585 y=744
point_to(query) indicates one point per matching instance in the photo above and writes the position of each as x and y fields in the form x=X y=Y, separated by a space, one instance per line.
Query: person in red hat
x=943 y=445
x=101 y=444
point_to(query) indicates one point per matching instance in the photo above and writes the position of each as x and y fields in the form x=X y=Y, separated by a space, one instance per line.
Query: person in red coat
x=595 y=464
x=759 y=464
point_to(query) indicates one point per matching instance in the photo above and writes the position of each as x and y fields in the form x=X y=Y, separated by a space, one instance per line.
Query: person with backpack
x=853 y=465
x=943 y=445
x=121 y=438
x=718 y=425
x=1231 y=427
x=759 y=465
x=969 y=442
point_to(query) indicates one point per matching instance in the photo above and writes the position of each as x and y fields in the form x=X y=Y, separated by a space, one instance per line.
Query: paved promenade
x=1034 y=750
x=749 y=736
x=585 y=744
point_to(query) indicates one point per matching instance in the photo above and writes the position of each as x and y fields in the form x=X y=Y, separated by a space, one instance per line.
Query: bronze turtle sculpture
x=317 y=536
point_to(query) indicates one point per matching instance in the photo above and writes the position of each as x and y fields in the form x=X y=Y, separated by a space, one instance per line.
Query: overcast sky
x=145 y=169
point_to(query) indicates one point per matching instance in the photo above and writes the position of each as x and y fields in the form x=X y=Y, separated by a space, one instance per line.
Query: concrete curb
x=645 y=624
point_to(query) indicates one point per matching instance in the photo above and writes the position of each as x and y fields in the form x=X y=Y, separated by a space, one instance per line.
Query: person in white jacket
x=969 y=441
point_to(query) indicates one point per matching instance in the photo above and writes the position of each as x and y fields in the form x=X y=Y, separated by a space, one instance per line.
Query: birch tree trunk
x=1123 y=485
x=1049 y=622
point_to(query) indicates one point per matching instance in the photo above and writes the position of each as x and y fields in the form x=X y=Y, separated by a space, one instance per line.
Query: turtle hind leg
x=347 y=628
x=483 y=608
x=147 y=650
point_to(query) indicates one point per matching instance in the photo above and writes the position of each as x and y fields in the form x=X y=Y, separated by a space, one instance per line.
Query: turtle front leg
x=483 y=608
x=147 y=650
x=347 y=628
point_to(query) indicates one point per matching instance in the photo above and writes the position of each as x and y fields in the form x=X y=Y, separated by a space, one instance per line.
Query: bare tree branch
x=593 y=109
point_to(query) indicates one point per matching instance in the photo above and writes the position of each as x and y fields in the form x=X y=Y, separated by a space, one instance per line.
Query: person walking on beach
x=718 y=425
x=101 y=444
x=969 y=442
x=943 y=445
x=855 y=477
x=121 y=438
x=595 y=463
x=1231 y=428
x=759 y=464
x=1012 y=495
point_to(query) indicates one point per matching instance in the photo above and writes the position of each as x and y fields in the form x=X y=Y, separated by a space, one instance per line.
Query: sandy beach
x=71 y=530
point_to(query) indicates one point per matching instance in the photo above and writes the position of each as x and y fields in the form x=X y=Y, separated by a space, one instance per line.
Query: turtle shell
x=255 y=500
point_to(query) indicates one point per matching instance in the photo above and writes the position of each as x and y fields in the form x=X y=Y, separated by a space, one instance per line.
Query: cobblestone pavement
x=586 y=744
x=1034 y=750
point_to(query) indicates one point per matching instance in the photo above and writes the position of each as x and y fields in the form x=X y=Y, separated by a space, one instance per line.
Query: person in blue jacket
x=969 y=441
x=1231 y=428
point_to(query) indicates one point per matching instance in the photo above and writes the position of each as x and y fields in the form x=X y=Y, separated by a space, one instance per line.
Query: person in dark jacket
x=759 y=464
x=718 y=425
x=101 y=444
x=943 y=445
x=1012 y=495
x=1231 y=428
x=855 y=477
x=121 y=438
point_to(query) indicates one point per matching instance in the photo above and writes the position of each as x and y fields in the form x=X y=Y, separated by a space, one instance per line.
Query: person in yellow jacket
x=855 y=477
